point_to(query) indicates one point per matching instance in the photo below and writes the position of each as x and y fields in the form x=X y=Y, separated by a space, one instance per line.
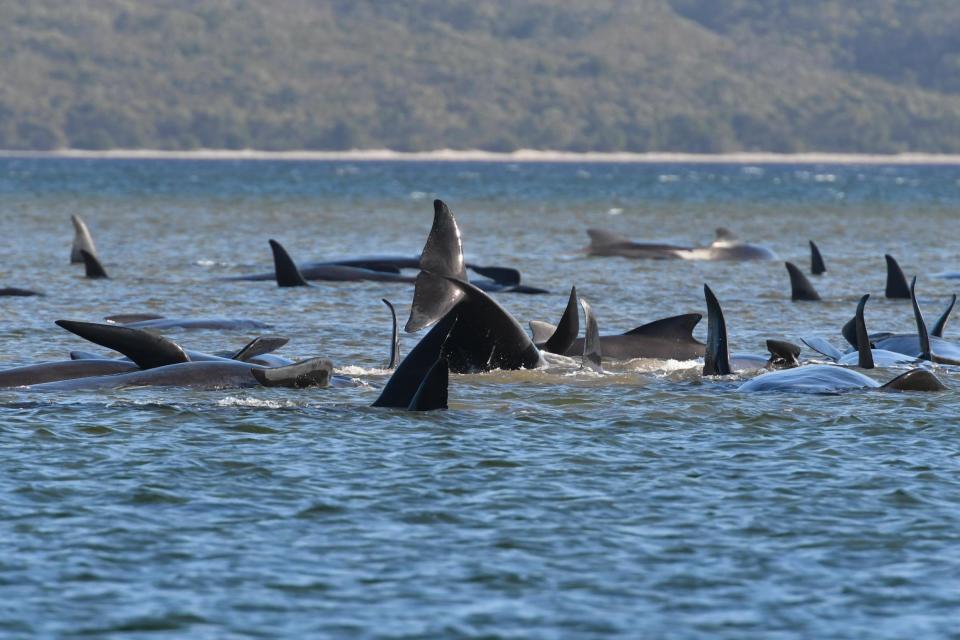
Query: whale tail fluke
x=800 y=287
x=817 y=267
x=442 y=258
x=394 y=336
x=92 y=265
x=896 y=282
x=942 y=321
x=716 y=359
x=432 y=392
x=315 y=372
x=286 y=270
x=82 y=240
x=146 y=350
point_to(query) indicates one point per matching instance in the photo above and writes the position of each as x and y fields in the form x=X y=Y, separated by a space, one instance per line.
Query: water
x=645 y=502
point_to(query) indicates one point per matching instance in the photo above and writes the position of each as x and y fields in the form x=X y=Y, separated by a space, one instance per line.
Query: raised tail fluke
x=442 y=258
x=394 y=336
x=82 y=240
x=91 y=263
x=942 y=322
x=592 y=357
x=864 y=352
x=817 y=267
x=433 y=389
x=568 y=328
x=800 y=287
x=147 y=350
x=286 y=270
x=716 y=359
x=925 y=352
x=896 y=282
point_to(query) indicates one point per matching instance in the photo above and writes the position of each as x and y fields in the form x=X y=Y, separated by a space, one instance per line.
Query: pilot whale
x=724 y=247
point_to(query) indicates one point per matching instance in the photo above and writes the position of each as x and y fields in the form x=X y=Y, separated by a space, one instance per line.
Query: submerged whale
x=18 y=292
x=724 y=247
x=158 y=322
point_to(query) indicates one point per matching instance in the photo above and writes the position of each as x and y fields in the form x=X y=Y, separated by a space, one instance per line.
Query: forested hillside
x=604 y=75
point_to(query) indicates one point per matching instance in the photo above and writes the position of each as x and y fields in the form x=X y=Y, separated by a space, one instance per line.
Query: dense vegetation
x=639 y=75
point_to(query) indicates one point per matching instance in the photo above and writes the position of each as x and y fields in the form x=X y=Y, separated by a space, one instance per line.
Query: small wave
x=354 y=370
x=238 y=401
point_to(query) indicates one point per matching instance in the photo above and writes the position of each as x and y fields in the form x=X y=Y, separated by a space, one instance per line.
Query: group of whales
x=471 y=332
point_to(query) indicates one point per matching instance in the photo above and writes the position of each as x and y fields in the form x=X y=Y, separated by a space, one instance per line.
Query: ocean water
x=641 y=502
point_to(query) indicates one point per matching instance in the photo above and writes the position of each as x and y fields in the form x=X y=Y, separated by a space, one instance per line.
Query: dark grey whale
x=864 y=355
x=724 y=247
x=157 y=322
x=18 y=292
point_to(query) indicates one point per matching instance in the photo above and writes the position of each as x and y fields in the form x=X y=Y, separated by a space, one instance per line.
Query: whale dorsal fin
x=800 y=287
x=394 y=336
x=823 y=347
x=925 y=351
x=147 y=350
x=677 y=328
x=816 y=260
x=259 y=346
x=81 y=240
x=942 y=322
x=567 y=329
x=442 y=257
x=432 y=392
x=716 y=359
x=915 y=380
x=92 y=265
x=286 y=270
x=864 y=352
x=592 y=357
x=896 y=281
x=604 y=238
x=723 y=235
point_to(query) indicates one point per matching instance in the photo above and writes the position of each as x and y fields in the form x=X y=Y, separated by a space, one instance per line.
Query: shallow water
x=641 y=502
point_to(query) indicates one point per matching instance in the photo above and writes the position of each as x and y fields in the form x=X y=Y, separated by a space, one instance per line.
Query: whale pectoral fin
x=783 y=354
x=915 y=380
x=130 y=318
x=92 y=265
x=394 y=336
x=675 y=328
x=314 y=372
x=506 y=276
x=286 y=270
x=567 y=329
x=716 y=359
x=896 y=282
x=823 y=347
x=432 y=392
x=259 y=346
x=817 y=267
x=800 y=287
x=147 y=350
x=592 y=357
x=942 y=322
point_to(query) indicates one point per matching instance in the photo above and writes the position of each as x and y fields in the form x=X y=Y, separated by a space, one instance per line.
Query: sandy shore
x=524 y=155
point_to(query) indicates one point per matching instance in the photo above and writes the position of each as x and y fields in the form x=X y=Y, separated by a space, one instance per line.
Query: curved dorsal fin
x=604 y=238
x=925 y=351
x=942 y=322
x=394 y=336
x=816 y=260
x=800 y=287
x=286 y=270
x=92 y=265
x=592 y=358
x=864 y=352
x=81 y=240
x=147 y=350
x=896 y=281
x=716 y=359
x=678 y=328
x=568 y=328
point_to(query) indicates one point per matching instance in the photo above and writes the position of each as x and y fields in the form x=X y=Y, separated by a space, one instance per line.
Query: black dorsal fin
x=925 y=352
x=286 y=270
x=942 y=321
x=783 y=354
x=568 y=328
x=506 y=276
x=800 y=287
x=442 y=257
x=394 y=336
x=92 y=265
x=315 y=372
x=259 y=346
x=147 y=350
x=677 y=328
x=864 y=352
x=716 y=359
x=603 y=238
x=816 y=260
x=432 y=392
x=592 y=357
x=896 y=281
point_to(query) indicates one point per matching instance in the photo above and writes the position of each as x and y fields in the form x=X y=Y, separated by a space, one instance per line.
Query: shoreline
x=520 y=156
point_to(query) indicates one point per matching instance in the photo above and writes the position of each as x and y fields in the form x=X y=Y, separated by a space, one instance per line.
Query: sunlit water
x=645 y=502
